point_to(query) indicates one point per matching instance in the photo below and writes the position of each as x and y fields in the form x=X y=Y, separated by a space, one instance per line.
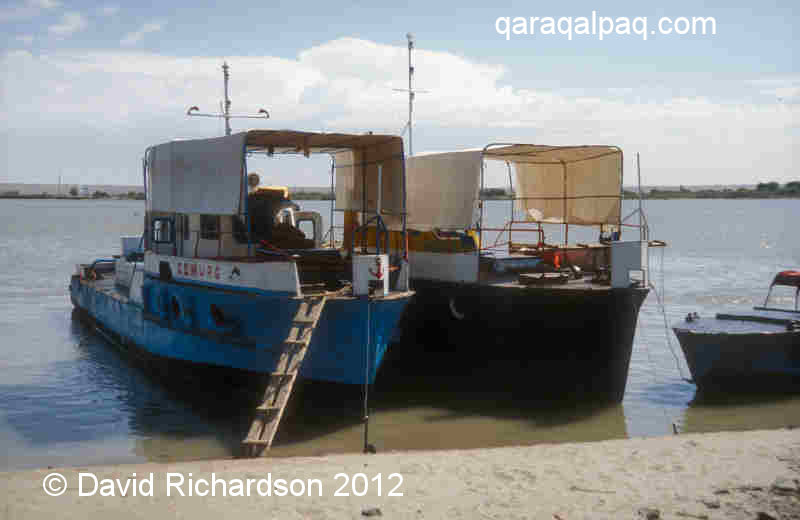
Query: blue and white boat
x=222 y=272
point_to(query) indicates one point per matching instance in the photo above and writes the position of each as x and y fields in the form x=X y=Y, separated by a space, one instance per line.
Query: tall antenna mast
x=411 y=92
x=226 y=106
x=410 y=38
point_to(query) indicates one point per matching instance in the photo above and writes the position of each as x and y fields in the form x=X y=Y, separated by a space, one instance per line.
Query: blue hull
x=746 y=351
x=742 y=360
x=253 y=334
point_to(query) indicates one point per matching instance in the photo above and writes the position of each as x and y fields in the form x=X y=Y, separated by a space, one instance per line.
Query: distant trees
x=100 y=195
x=495 y=193
x=792 y=187
x=763 y=190
x=73 y=191
x=768 y=186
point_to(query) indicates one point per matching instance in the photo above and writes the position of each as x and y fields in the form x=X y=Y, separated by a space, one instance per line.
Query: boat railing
x=197 y=237
x=786 y=279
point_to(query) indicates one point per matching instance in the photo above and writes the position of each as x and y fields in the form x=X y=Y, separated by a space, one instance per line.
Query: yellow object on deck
x=425 y=241
x=272 y=191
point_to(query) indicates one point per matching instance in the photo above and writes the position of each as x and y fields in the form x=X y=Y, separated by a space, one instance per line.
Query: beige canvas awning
x=571 y=184
x=443 y=190
x=565 y=184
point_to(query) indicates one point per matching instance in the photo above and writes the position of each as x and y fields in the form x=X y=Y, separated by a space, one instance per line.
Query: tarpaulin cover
x=206 y=175
x=357 y=170
x=443 y=190
x=572 y=184
x=197 y=176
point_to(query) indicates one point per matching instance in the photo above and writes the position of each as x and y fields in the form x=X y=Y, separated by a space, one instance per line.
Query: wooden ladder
x=281 y=381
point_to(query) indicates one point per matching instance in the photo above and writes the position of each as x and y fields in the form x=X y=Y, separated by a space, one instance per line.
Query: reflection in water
x=180 y=413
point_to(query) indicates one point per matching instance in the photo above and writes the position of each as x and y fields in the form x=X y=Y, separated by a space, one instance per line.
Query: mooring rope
x=663 y=309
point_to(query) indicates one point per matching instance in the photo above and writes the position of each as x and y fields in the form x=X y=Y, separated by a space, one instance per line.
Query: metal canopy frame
x=290 y=142
x=493 y=151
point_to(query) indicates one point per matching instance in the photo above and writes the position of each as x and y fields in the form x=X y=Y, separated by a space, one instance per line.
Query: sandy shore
x=747 y=475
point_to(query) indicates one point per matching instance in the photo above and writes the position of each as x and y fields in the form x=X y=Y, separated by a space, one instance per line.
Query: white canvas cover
x=566 y=184
x=359 y=166
x=197 y=176
x=206 y=175
x=443 y=190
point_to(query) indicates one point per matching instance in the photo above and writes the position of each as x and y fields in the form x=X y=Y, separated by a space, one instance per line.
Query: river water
x=67 y=397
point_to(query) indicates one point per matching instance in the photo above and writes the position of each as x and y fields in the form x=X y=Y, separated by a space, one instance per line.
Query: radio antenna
x=411 y=93
x=226 y=106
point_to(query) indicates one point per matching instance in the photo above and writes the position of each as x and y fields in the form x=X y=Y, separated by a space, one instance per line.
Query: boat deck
x=754 y=321
x=107 y=285
x=512 y=280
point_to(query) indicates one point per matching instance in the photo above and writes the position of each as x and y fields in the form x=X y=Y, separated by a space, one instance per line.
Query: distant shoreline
x=711 y=194
x=69 y=197
x=790 y=192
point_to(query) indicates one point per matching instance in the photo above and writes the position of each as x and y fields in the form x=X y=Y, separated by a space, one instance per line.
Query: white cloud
x=136 y=36
x=109 y=10
x=27 y=9
x=70 y=23
x=44 y=4
x=347 y=85
x=783 y=89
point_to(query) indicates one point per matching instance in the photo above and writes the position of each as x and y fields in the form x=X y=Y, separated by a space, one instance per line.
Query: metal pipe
x=366 y=381
x=333 y=198
x=566 y=224
x=639 y=176
x=364 y=204
x=510 y=199
x=380 y=187
x=146 y=212
x=405 y=230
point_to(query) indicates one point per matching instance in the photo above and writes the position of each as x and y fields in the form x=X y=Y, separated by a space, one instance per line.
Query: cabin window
x=209 y=227
x=163 y=231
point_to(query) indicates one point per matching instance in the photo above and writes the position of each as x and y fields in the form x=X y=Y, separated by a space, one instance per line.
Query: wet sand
x=731 y=475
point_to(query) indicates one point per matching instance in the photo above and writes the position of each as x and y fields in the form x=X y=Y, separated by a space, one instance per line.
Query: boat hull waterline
x=336 y=353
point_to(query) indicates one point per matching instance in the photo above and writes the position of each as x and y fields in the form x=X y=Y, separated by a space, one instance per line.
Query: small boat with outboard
x=752 y=350
x=223 y=276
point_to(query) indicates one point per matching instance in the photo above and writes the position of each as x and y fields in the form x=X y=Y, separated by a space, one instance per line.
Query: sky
x=87 y=86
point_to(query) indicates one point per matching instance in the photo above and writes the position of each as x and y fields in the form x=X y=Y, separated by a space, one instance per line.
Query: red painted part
x=790 y=278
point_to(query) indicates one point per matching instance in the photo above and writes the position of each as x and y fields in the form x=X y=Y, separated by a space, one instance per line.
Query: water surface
x=68 y=397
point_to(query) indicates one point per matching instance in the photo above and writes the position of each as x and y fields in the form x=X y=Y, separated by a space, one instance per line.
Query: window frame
x=157 y=231
x=210 y=234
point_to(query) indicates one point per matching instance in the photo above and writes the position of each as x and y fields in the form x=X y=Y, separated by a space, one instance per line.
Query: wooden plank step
x=304 y=321
x=296 y=342
x=257 y=442
x=300 y=333
x=290 y=362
